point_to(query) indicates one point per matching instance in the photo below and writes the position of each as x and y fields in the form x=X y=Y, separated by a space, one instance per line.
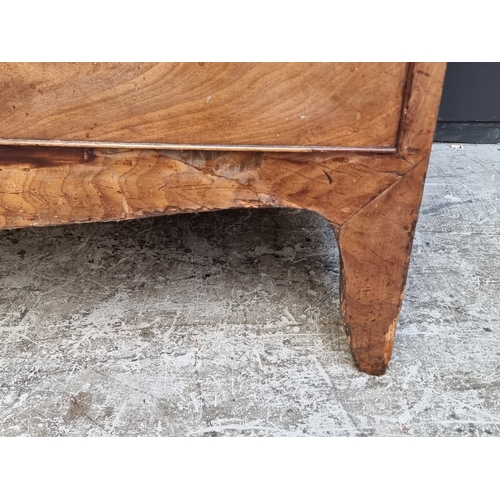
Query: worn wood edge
x=46 y=155
x=195 y=147
x=420 y=115
x=372 y=350
x=111 y=185
x=39 y=155
x=410 y=69
x=393 y=163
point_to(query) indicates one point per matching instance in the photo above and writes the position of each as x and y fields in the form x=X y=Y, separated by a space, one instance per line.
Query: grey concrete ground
x=227 y=324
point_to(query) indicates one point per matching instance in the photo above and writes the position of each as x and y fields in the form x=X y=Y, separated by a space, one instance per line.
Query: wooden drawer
x=324 y=105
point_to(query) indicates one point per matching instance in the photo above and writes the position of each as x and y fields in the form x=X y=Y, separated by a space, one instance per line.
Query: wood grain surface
x=375 y=246
x=371 y=200
x=115 y=185
x=420 y=116
x=287 y=104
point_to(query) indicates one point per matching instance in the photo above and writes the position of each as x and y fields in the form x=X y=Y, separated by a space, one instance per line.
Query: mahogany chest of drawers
x=84 y=142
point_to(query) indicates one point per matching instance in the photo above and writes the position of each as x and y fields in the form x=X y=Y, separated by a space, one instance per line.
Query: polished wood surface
x=292 y=104
x=371 y=199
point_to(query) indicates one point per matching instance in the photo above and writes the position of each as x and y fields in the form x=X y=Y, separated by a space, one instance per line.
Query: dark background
x=470 y=106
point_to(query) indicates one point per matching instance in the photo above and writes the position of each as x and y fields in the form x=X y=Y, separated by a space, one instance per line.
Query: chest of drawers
x=351 y=141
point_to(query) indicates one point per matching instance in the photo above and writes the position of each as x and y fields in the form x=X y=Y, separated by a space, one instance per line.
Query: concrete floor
x=227 y=323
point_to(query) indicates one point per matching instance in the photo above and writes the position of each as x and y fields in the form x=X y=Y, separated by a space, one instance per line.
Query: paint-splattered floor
x=227 y=324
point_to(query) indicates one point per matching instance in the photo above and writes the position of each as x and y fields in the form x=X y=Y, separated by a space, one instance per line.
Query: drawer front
x=353 y=105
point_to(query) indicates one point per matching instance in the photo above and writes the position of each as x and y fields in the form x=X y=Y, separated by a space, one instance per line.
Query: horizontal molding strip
x=195 y=147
